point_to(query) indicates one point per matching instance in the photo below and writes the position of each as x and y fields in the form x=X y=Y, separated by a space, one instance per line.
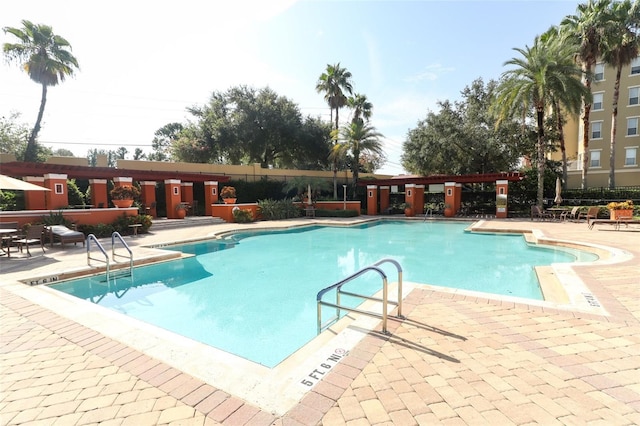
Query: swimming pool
x=253 y=293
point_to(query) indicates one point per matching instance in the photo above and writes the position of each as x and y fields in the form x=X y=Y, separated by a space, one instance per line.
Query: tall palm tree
x=358 y=137
x=565 y=103
x=535 y=81
x=334 y=82
x=46 y=58
x=620 y=46
x=586 y=30
x=362 y=108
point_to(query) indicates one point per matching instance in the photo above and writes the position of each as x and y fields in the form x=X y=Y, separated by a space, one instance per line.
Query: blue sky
x=143 y=63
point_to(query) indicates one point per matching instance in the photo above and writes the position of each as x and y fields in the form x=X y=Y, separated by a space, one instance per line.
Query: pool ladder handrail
x=92 y=237
x=385 y=298
x=428 y=213
x=126 y=246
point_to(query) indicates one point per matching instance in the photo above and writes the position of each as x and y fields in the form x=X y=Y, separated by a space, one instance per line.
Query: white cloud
x=429 y=73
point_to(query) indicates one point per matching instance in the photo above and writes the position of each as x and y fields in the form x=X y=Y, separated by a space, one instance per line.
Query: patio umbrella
x=10 y=183
x=558 y=198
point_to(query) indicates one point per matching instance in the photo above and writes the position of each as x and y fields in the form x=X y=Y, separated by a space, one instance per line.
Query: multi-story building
x=627 y=146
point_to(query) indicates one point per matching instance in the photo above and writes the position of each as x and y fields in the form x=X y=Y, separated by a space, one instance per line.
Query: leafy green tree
x=620 y=46
x=47 y=59
x=121 y=153
x=464 y=137
x=334 y=82
x=537 y=79
x=92 y=157
x=138 y=154
x=162 y=141
x=63 y=152
x=586 y=30
x=13 y=135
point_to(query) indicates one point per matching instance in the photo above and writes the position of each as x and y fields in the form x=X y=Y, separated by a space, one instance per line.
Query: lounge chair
x=536 y=212
x=64 y=235
x=35 y=234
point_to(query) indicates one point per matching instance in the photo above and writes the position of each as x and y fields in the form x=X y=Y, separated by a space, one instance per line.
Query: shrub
x=278 y=209
x=242 y=215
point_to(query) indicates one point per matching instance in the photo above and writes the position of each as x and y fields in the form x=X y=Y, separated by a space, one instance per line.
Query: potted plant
x=408 y=210
x=228 y=194
x=181 y=210
x=123 y=196
x=621 y=209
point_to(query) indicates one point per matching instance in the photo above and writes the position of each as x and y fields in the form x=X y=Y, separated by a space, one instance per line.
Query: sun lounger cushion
x=65 y=235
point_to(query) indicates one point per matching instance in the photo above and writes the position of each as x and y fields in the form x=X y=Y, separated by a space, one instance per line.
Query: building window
x=595 y=159
x=599 y=72
x=597 y=101
x=58 y=188
x=630 y=156
x=596 y=130
x=635 y=66
x=634 y=93
x=632 y=126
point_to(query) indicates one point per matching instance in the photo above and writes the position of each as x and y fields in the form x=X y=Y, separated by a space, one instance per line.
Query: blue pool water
x=254 y=294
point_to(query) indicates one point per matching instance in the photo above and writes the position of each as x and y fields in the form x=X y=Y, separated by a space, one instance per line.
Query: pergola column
x=384 y=198
x=410 y=196
x=35 y=200
x=419 y=197
x=210 y=196
x=57 y=197
x=148 y=194
x=99 y=193
x=502 y=191
x=449 y=199
x=187 y=193
x=372 y=199
x=173 y=197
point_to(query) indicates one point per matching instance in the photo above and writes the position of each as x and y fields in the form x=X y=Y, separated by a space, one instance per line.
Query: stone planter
x=122 y=204
x=616 y=214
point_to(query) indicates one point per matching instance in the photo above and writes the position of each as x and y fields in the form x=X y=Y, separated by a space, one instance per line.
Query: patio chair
x=65 y=235
x=35 y=234
x=570 y=214
x=592 y=213
x=536 y=212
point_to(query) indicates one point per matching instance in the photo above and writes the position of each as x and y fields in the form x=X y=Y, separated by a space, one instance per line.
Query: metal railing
x=92 y=237
x=126 y=246
x=339 y=292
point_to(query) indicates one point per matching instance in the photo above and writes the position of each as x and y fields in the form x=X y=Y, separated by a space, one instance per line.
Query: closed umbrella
x=558 y=198
x=9 y=183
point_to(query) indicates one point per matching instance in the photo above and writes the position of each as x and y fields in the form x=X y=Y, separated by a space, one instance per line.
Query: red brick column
x=148 y=194
x=99 y=193
x=372 y=200
x=173 y=197
x=502 y=191
x=410 y=196
x=57 y=197
x=35 y=200
x=210 y=196
x=418 y=207
x=384 y=198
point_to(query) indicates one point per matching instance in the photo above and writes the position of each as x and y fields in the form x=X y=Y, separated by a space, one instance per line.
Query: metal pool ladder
x=385 y=298
x=92 y=237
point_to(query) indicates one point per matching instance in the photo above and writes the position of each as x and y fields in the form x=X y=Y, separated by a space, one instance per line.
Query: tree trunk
x=563 y=147
x=585 y=128
x=31 y=152
x=540 y=194
x=614 y=124
x=335 y=179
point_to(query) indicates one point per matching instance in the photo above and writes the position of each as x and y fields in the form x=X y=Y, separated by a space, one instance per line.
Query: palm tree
x=361 y=106
x=586 y=30
x=620 y=46
x=358 y=137
x=571 y=102
x=334 y=82
x=537 y=79
x=47 y=58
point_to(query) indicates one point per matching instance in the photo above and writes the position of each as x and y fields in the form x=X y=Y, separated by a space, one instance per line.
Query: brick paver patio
x=457 y=359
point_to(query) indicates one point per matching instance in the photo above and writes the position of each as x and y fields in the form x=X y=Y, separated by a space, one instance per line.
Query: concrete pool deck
x=459 y=358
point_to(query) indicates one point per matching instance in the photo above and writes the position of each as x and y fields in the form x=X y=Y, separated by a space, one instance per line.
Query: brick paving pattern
x=456 y=359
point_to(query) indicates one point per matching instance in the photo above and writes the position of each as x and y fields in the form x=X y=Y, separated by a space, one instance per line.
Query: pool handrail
x=385 y=298
x=92 y=237
x=117 y=235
